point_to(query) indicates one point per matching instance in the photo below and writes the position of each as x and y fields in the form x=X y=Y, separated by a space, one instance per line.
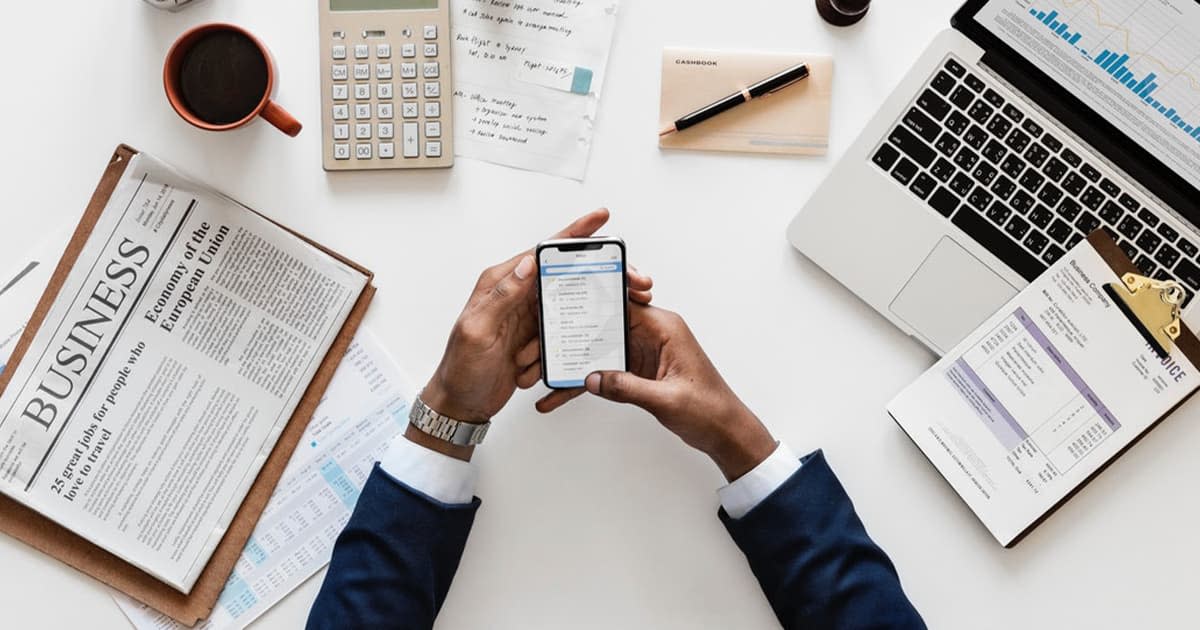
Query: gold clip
x=1154 y=306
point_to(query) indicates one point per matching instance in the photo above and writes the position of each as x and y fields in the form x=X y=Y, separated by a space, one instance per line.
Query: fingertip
x=524 y=268
x=593 y=383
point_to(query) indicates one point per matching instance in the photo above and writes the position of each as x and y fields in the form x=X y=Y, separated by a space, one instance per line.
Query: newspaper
x=166 y=369
x=363 y=411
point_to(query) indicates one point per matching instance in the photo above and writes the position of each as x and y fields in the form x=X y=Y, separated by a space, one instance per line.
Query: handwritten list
x=527 y=80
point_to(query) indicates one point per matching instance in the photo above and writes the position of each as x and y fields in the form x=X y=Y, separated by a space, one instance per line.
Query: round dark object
x=223 y=77
x=843 y=12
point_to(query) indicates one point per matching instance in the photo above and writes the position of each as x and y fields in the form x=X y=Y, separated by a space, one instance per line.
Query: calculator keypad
x=371 y=121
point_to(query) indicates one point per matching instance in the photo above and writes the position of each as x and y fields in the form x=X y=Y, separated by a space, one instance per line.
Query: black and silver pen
x=765 y=87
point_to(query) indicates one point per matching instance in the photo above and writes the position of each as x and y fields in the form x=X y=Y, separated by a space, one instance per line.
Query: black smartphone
x=584 y=309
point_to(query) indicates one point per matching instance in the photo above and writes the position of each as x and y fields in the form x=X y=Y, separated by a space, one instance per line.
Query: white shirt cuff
x=438 y=476
x=747 y=491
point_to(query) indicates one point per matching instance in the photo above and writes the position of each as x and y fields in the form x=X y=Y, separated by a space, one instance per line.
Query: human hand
x=494 y=345
x=671 y=377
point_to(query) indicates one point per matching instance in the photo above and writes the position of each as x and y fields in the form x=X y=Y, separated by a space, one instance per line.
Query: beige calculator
x=386 y=93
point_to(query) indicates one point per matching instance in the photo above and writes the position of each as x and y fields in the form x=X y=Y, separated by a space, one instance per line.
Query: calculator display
x=381 y=5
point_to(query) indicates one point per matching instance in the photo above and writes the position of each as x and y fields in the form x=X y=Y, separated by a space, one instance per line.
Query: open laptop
x=1023 y=128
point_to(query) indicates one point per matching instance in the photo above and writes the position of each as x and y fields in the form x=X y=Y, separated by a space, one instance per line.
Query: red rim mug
x=266 y=108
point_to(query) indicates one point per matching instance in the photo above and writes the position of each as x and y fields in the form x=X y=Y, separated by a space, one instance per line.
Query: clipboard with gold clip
x=1153 y=306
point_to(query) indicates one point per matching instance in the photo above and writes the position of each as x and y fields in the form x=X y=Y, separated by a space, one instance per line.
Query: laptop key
x=1069 y=209
x=1168 y=233
x=1060 y=231
x=1148 y=217
x=1091 y=173
x=1188 y=248
x=1072 y=158
x=984 y=173
x=943 y=170
x=1130 y=227
x=1055 y=169
x=1013 y=113
x=905 y=171
x=957 y=123
x=1189 y=274
x=1129 y=202
x=1050 y=195
x=999 y=213
x=1017 y=228
x=1130 y=249
x=974 y=82
x=962 y=97
x=947 y=144
x=1087 y=223
x=1145 y=265
x=961 y=184
x=993 y=97
x=912 y=146
x=1036 y=242
x=1012 y=166
x=1074 y=184
x=1053 y=254
x=1041 y=216
x=955 y=68
x=1111 y=189
x=1092 y=198
x=1074 y=240
x=999 y=126
x=980 y=198
x=923 y=185
x=966 y=158
x=886 y=156
x=922 y=124
x=944 y=201
x=1022 y=202
x=1149 y=241
x=999 y=244
x=943 y=83
x=1032 y=128
x=933 y=104
x=1167 y=256
x=1111 y=213
x=1032 y=180
x=980 y=112
x=1037 y=155
x=1017 y=140
x=1052 y=143
x=1003 y=187
x=994 y=151
x=976 y=137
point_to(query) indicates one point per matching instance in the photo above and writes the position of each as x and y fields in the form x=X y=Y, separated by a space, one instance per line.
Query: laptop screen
x=1136 y=63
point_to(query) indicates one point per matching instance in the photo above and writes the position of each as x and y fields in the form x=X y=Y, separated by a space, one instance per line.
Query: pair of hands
x=494 y=348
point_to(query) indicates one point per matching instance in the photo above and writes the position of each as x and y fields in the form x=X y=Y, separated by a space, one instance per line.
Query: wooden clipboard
x=49 y=537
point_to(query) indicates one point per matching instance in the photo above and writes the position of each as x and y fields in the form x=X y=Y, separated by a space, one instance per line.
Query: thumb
x=623 y=387
x=512 y=289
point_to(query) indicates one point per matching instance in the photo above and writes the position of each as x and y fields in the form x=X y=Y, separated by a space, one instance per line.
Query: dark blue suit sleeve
x=814 y=559
x=393 y=564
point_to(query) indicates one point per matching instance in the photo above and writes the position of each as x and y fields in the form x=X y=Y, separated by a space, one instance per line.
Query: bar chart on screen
x=1136 y=62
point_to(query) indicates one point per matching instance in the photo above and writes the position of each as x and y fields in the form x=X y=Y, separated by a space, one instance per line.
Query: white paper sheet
x=527 y=80
x=364 y=409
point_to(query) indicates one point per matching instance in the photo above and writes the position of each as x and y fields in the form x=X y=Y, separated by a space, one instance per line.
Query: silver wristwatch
x=444 y=428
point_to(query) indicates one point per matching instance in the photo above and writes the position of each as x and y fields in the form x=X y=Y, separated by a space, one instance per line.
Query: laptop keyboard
x=982 y=162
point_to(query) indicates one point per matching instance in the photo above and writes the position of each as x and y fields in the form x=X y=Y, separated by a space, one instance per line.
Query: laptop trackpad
x=950 y=295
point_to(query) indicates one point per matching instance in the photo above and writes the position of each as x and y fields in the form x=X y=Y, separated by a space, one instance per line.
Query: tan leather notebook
x=794 y=121
x=49 y=537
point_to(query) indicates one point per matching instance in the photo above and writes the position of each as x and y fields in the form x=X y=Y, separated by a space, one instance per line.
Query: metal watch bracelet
x=445 y=428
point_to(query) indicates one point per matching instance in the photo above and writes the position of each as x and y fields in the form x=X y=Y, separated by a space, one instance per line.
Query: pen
x=765 y=87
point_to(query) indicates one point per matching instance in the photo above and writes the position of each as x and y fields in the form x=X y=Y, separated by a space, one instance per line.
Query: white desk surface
x=595 y=517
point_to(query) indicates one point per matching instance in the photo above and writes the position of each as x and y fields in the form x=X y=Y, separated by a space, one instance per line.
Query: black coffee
x=223 y=77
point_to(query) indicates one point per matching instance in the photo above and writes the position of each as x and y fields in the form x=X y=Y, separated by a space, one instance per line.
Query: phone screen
x=583 y=310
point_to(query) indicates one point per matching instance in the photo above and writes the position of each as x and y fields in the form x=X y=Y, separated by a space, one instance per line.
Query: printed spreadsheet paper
x=1038 y=399
x=364 y=409
x=527 y=80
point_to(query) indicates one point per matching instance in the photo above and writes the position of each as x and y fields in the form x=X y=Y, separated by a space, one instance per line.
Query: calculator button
x=433 y=89
x=408 y=51
x=433 y=110
x=431 y=31
x=431 y=50
x=408 y=70
x=383 y=71
x=341 y=112
x=386 y=131
x=384 y=110
x=408 y=90
x=433 y=129
x=362 y=51
x=362 y=131
x=341 y=152
x=387 y=150
x=362 y=91
x=362 y=71
x=362 y=111
x=339 y=52
x=433 y=149
x=340 y=72
x=363 y=151
x=432 y=69
x=341 y=91
x=411 y=140
x=384 y=90
x=383 y=51
x=341 y=132
x=410 y=110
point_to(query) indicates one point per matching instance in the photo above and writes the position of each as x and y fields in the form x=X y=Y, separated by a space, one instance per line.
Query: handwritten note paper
x=527 y=80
